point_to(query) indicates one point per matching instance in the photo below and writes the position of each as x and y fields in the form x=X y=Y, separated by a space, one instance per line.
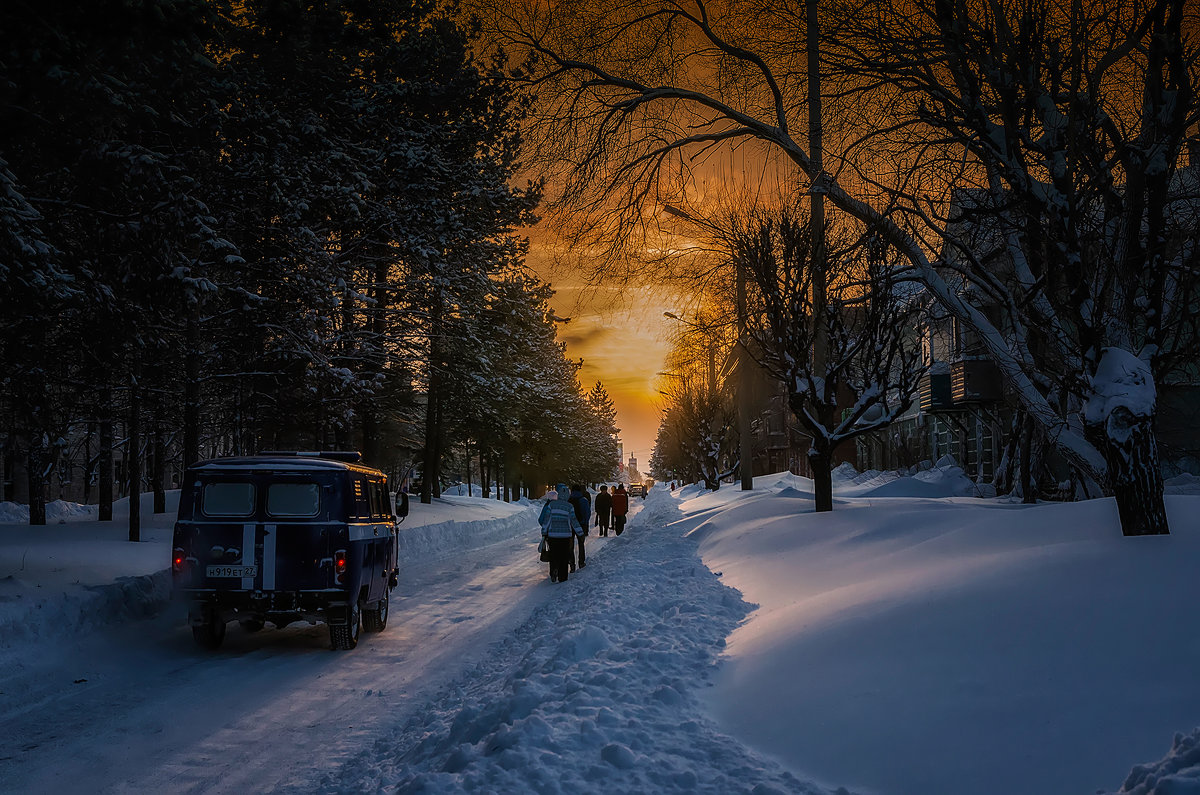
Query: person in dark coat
x=603 y=510
x=581 y=501
x=620 y=507
x=559 y=526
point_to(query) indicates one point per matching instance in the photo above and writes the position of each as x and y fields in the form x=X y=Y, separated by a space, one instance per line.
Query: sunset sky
x=621 y=335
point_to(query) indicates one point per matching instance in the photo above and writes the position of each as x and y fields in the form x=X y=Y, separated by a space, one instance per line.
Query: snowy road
x=488 y=679
x=141 y=708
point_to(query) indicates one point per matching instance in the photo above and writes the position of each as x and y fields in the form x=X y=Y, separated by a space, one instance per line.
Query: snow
x=1122 y=380
x=914 y=640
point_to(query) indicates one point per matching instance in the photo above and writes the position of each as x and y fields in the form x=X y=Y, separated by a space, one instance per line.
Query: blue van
x=282 y=537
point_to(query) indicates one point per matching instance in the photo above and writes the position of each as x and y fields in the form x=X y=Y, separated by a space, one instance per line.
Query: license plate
x=232 y=571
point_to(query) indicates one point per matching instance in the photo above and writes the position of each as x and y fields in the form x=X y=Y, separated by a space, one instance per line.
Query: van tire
x=345 y=637
x=210 y=634
x=375 y=620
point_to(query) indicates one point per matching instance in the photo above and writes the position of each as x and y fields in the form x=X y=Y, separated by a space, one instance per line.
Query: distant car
x=637 y=490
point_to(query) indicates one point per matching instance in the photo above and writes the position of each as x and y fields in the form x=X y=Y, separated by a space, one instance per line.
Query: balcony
x=934 y=392
x=975 y=381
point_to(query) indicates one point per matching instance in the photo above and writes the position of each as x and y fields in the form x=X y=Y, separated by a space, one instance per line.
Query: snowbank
x=1177 y=773
x=970 y=645
x=57 y=512
x=478 y=525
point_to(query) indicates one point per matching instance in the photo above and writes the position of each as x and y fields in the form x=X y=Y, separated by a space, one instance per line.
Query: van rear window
x=293 y=499
x=228 y=499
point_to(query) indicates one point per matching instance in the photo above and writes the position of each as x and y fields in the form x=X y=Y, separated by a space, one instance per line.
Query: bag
x=544 y=551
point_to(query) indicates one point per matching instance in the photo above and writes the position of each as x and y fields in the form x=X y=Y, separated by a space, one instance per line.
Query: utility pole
x=745 y=453
x=817 y=188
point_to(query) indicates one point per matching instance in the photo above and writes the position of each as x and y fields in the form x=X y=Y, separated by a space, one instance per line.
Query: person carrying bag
x=559 y=529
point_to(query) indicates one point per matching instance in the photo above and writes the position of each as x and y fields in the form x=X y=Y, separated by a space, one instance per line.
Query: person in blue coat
x=581 y=501
x=559 y=527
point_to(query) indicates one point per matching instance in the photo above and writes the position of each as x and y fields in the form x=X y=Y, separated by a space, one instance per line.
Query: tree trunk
x=104 y=484
x=370 y=435
x=432 y=413
x=1132 y=454
x=89 y=463
x=133 y=460
x=1031 y=461
x=159 y=470
x=821 y=463
x=35 y=468
x=191 y=392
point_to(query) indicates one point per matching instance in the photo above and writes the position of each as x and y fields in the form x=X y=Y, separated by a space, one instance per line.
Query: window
x=377 y=509
x=362 y=502
x=228 y=499
x=293 y=499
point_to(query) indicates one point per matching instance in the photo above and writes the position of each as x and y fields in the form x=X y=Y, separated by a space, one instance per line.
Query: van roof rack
x=349 y=456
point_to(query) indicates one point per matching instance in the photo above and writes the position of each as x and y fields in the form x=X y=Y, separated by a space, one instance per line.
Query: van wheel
x=210 y=634
x=345 y=637
x=375 y=620
x=251 y=624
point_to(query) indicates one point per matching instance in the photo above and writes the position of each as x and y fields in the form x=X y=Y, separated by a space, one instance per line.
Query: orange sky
x=621 y=335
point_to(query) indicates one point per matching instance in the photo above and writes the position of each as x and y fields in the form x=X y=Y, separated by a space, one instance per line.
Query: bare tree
x=1077 y=228
x=868 y=369
x=1016 y=94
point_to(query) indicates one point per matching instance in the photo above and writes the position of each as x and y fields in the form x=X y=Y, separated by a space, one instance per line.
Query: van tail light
x=339 y=565
x=177 y=559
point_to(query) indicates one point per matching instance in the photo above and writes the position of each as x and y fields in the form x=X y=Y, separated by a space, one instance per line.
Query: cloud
x=583 y=335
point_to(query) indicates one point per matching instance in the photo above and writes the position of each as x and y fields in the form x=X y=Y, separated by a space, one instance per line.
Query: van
x=282 y=537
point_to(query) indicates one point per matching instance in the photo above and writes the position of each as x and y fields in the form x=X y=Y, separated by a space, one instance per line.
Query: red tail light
x=177 y=559
x=339 y=565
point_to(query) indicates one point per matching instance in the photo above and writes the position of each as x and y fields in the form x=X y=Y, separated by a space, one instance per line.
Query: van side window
x=362 y=502
x=376 y=502
x=228 y=499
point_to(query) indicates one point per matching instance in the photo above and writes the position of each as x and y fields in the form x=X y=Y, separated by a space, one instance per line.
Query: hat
x=551 y=495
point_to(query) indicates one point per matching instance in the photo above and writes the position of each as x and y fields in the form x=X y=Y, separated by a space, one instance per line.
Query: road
x=140 y=708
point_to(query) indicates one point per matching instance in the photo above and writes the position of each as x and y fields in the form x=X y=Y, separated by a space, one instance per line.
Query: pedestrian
x=559 y=527
x=620 y=507
x=564 y=494
x=603 y=510
x=581 y=501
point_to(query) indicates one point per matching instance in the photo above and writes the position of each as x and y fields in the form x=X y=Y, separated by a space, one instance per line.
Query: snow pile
x=498 y=522
x=1122 y=381
x=974 y=646
x=1185 y=483
x=596 y=691
x=1177 y=773
x=845 y=476
x=945 y=479
x=57 y=512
